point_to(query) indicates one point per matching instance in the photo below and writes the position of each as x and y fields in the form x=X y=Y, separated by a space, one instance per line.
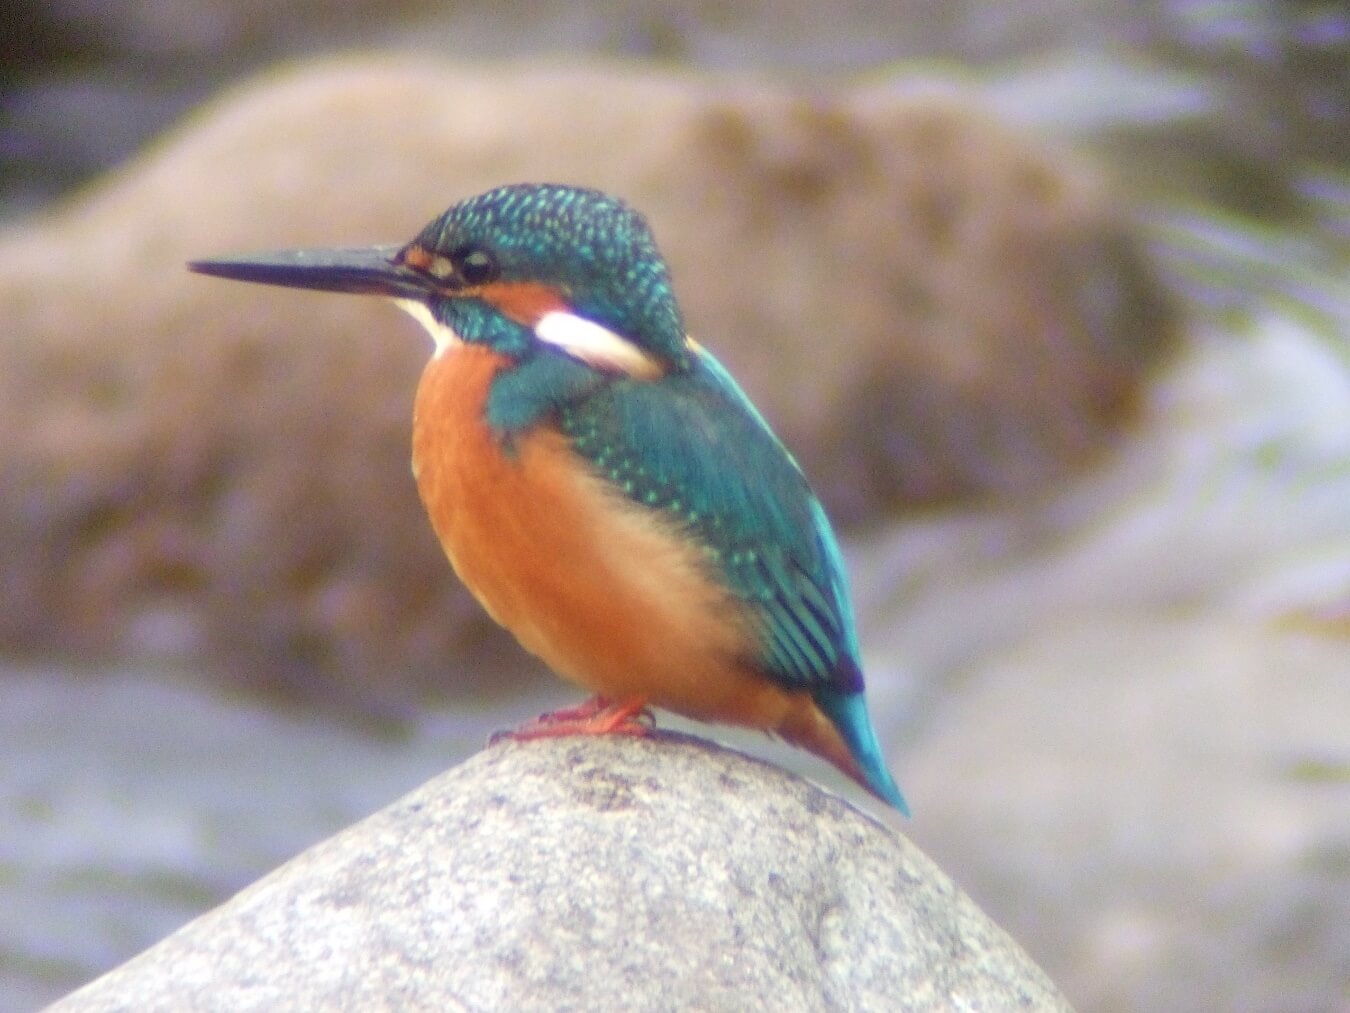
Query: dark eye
x=475 y=265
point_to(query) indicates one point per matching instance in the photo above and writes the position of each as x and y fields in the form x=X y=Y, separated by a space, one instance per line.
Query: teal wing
x=695 y=448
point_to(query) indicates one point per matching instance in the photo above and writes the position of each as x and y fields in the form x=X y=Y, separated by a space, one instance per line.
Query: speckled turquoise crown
x=593 y=246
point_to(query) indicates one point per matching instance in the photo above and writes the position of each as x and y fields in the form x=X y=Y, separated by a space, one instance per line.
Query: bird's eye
x=475 y=265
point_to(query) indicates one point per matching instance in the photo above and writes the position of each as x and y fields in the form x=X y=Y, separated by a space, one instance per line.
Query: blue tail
x=848 y=713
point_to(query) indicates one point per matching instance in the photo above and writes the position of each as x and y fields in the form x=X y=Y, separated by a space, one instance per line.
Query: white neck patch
x=441 y=334
x=596 y=345
x=592 y=343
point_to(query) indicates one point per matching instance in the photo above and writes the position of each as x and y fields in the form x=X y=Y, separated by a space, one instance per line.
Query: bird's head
x=517 y=268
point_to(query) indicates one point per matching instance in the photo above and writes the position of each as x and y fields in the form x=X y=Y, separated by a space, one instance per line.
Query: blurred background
x=1050 y=298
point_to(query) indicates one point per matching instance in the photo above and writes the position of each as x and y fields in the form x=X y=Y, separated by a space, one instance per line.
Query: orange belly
x=603 y=590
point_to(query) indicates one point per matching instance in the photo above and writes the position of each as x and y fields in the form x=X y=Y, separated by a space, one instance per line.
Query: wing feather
x=694 y=447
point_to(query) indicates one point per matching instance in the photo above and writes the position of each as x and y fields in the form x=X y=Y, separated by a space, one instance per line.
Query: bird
x=600 y=482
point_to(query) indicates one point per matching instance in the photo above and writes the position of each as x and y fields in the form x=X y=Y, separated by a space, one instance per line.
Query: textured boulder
x=922 y=302
x=594 y=874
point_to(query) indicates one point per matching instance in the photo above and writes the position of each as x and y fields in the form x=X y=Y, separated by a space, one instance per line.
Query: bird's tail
x=848 y=713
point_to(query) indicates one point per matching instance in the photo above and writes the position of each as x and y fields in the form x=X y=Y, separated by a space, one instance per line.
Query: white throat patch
x=596 y=345
x=440 y=333
x=592 y=343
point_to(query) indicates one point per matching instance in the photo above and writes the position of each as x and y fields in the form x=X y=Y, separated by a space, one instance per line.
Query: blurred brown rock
x=923 y=304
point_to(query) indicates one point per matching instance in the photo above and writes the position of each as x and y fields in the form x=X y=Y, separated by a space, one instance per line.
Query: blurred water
x=132 y=801
x=1233 y=498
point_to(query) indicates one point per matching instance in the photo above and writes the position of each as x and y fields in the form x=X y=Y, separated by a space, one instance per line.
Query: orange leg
x=597 y=716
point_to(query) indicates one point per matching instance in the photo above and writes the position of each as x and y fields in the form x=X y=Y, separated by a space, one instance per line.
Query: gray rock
x=661 y=873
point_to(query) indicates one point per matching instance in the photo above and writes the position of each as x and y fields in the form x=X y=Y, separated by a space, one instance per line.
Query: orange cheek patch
x=525 y=302
x=417 y=258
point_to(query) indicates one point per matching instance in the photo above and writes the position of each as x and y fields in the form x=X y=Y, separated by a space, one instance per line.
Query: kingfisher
x=601 y=484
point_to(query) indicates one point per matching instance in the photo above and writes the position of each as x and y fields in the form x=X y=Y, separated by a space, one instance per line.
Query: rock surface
x=594 y=874
x=924 y=304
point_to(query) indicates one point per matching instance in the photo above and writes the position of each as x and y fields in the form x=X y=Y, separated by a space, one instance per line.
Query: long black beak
x=371 y=270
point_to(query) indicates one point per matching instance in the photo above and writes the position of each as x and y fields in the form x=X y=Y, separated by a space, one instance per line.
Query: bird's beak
x=371 y=270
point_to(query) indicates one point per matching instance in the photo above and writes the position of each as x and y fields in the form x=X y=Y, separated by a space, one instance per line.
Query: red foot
x=596 y=716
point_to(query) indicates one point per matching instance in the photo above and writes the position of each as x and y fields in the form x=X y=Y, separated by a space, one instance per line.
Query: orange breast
x=604 y=591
